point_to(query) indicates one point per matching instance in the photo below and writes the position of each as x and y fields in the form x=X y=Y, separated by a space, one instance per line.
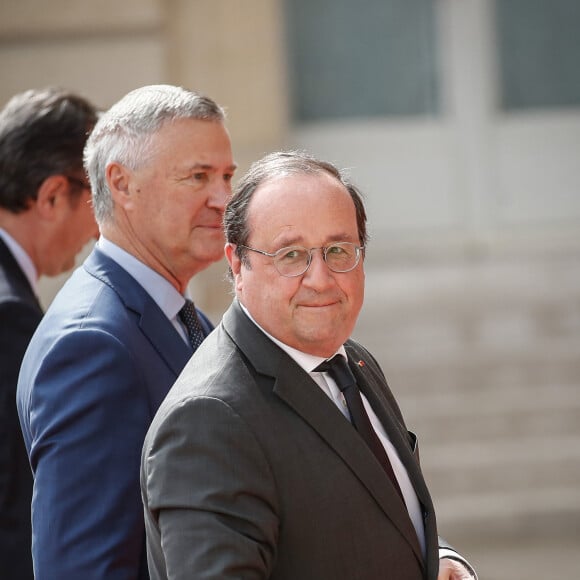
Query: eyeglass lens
x=295 y=260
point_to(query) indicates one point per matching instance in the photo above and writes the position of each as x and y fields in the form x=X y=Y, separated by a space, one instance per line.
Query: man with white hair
x=122 y=328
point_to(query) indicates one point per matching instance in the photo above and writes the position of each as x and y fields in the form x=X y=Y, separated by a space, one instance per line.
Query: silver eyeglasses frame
x=358 y=250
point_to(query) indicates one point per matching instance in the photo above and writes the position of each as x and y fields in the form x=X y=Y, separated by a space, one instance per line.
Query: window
x=361 y=59
x=539 y=53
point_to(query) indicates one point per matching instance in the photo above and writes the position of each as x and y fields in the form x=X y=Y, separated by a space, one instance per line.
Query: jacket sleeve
x=210 y=503
x=88 y=419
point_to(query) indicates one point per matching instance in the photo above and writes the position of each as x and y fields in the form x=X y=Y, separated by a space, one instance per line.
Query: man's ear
x=118 y=178
x=52 y=193
x=232 y=258
x=235 y=265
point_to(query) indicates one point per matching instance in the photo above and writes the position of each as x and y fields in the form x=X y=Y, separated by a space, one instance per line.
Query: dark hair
x=42 y=133
x=274 y=165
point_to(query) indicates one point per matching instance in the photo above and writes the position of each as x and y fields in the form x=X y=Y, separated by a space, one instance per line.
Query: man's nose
x=219 y=195
x=318 y=274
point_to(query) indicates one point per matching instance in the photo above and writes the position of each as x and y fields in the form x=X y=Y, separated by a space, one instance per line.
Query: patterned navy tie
x=189 y=318
x=338 y=369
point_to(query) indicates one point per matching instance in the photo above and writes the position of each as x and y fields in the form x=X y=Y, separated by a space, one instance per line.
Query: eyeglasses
x=295 y=260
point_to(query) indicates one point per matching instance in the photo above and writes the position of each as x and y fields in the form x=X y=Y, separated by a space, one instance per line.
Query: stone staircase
x=483 y=354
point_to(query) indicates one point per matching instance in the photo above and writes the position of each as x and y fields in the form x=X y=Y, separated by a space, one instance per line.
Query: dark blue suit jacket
x=97 y=369
x=20 y=314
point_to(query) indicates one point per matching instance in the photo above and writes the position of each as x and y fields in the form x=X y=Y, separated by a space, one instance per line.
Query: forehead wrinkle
x=208 y=166
x=189 y=169
x=284 y=240
x=287 y=237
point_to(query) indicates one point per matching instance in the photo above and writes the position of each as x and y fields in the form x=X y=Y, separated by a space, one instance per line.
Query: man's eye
x=291 y=254
x=336 y=250
x=200 y=176
x=228 y=177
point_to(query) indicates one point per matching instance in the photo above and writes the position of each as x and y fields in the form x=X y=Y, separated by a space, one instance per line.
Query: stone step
x=502 y=466
x=469 y=373
x=422 y=349
x=493 y=400
x=523 y=514
x=441 y=430
x=554 y=555
x=462 y=284
x=495 y=413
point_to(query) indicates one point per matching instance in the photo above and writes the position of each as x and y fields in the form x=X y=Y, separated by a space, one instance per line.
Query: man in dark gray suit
x=265 y=460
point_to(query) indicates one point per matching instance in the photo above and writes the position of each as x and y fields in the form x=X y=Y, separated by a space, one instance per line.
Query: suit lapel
x=396 y=432
x=163 y=336
x=154 y=324
x=297 y=389
x=374 y=391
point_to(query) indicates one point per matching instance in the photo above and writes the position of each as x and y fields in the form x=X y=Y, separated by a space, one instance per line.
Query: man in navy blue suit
x=45 y=220
x=113 y=341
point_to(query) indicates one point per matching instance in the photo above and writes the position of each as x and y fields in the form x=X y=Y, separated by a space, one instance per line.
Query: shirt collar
x=304 y=360
x=163 y=293
x=22 y=259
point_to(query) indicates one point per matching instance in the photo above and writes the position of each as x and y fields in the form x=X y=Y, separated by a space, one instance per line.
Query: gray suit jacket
x=250 y=471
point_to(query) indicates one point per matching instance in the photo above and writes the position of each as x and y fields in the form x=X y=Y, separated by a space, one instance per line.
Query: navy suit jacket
x=20 y=314
x=97 y=369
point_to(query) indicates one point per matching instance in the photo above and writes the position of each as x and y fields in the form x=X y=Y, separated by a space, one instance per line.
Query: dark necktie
x=189 y=318
x=338 y=369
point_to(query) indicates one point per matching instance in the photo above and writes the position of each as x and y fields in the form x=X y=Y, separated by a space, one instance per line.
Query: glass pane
x=539 y=53
x=361 y=59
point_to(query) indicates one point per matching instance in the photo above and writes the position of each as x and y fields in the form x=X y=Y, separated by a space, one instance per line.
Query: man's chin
x=322 y=340
x=324 y=346
x=209 y=257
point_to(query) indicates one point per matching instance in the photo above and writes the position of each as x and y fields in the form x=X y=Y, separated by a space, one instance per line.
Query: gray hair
x=124 y=133
x=274 y=165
